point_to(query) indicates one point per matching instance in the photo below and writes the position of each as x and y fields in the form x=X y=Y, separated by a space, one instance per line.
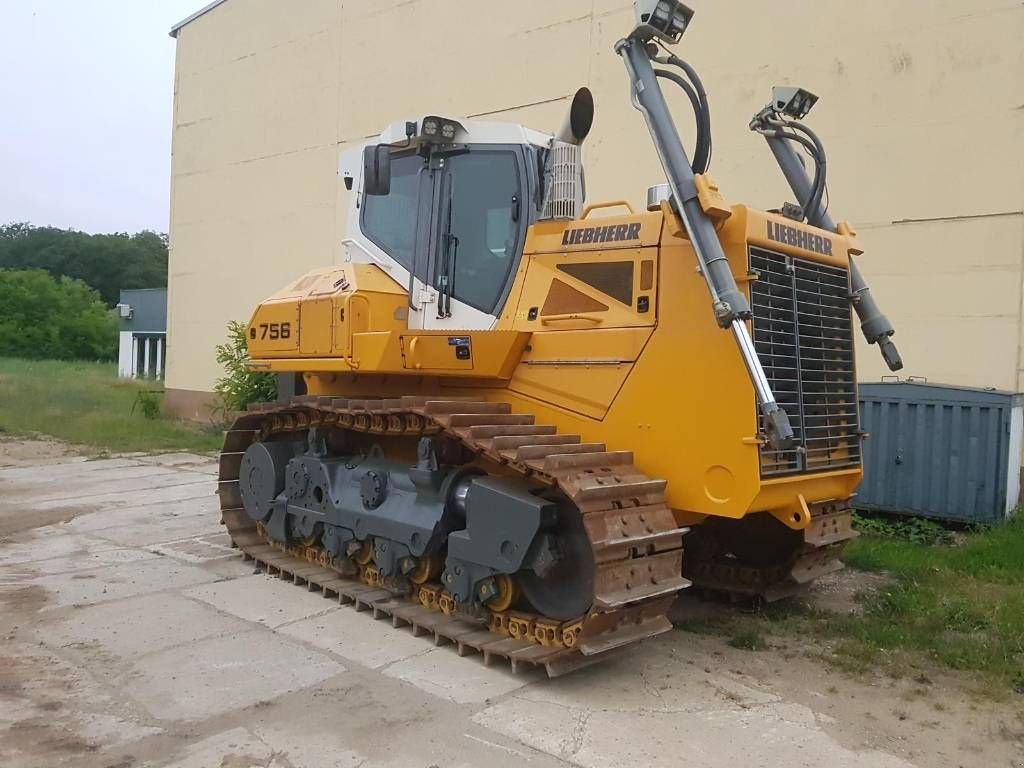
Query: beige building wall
x=922 y=114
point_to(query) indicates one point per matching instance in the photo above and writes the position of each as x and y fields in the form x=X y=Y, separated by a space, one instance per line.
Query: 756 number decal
x=272 y=331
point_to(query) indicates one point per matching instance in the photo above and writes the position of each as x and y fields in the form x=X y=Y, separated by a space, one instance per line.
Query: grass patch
x=915 y=529
x=960 y=605
x=86 y=404
x=956 y=605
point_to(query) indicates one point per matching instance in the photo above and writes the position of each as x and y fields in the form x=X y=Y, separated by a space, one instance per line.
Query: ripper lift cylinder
x=730 y=305
x=873 y=324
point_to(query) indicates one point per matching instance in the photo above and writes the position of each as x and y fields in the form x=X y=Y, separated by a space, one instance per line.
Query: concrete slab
x=198 y=549
x=35 y=475
x=230 y=567
x=127 y=629
x=215 y=676
x=48 y=543
x=53 y=712
x=649 y=679
x=31 y=453
x=120 y=581
x=593 y=737
x=191 y=461
x=146 y=531
x=464 y=680
x=124 y=516
x=650 y=708
x=357 y=637
x=267 y=600
x=237 y=748
x=86 y=477
x=362 y=716
x=79 y=560
x=150 y=494
x=137 y=482
x=323 y=748
x=111 y=730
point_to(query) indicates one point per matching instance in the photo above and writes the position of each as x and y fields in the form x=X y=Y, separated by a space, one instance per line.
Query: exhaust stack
x=563 y=170
x=578 y=120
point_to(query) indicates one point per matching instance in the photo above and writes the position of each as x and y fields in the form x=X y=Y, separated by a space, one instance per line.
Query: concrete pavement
x=132 y=635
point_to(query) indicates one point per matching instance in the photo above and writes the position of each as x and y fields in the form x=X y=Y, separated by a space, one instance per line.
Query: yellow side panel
x=316 y=320
x=371 y=352
x=494 y=355
x=274 y=329
x=611 y=288
x=436 y=353
x=580 y=371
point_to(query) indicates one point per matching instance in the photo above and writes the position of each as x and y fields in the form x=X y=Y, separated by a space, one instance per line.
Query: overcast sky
x=86 y=89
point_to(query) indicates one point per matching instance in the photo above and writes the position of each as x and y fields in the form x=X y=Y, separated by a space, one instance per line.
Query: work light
x=664 y=19
x=440 y=129
x=793 y=102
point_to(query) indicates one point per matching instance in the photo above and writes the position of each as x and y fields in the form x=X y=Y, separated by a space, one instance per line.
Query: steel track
x=636 y=542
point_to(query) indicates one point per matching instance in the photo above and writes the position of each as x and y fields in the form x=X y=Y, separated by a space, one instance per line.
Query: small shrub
x=148 y=402
x=748 y=640
x=240 y=386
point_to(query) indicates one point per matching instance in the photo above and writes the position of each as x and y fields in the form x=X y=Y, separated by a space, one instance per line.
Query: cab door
x=481 y=227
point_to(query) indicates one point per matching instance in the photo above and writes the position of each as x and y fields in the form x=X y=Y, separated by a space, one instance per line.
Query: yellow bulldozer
x=524 y=429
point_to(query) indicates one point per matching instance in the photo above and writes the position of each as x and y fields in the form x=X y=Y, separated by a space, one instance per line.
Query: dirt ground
x=132 y=635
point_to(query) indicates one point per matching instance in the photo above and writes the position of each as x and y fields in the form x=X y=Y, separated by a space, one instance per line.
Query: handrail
x=570 y=317
x=607 y=204
x=382 y=263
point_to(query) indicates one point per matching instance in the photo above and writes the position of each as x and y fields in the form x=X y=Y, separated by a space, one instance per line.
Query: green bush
x=59 y=319
x=240 y=386
x=148 y=402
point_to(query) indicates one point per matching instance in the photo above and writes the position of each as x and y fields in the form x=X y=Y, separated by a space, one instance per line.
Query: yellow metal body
x=607 y=334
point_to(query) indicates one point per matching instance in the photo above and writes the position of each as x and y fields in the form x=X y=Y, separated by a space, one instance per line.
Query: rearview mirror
x=377 y=170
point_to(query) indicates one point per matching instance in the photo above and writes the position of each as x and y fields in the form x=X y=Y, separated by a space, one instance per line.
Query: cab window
x=390 y=220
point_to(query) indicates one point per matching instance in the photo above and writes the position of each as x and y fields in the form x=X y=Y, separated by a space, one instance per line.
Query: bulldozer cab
x=451 y=226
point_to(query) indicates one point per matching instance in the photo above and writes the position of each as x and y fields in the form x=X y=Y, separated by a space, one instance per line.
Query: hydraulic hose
x=813 y=212
x=705 y=113
x=701 y=107
x=701 y=151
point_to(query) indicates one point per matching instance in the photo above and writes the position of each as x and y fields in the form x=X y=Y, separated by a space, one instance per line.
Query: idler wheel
x=261 y=477
x=566 y=590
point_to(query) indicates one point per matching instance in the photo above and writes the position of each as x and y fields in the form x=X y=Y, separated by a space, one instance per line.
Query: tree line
x=58 y=288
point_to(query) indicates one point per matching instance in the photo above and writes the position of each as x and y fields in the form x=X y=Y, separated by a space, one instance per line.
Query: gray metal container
x=939 y=451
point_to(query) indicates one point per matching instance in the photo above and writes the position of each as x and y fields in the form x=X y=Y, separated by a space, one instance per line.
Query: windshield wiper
x=449 y=252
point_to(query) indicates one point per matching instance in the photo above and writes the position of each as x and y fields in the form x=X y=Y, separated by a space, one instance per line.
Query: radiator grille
x=803 y=335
